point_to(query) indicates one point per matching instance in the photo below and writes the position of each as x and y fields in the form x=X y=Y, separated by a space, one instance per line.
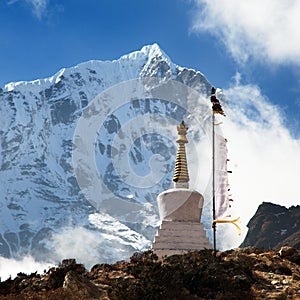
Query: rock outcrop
x=243 y=273
x=274 y=226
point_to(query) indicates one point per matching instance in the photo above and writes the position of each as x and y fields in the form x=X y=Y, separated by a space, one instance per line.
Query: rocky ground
x=243 y=273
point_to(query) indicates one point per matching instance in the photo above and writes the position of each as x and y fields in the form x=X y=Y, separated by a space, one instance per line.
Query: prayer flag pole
x=216 y=109
x=218 y=202
x=213 y=185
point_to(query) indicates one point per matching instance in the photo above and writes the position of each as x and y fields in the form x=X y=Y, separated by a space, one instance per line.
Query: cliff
x=274 y=226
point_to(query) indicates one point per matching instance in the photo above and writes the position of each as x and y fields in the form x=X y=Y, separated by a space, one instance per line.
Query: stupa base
x=179 y=237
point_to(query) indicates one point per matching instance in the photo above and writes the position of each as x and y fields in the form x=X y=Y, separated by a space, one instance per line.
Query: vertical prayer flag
x=222 y=199
x=221 y=177
x=220 y=173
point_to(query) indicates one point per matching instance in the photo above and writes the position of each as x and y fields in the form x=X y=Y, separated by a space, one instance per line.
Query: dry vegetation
x=245 y=273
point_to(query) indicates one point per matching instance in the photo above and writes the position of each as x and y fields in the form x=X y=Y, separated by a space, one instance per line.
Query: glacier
x=45 y=209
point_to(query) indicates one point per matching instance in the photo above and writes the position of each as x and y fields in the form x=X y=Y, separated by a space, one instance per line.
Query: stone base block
x=180 y=237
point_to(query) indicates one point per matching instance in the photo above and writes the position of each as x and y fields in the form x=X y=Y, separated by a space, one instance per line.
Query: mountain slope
x=44 y=212
x=274 y=226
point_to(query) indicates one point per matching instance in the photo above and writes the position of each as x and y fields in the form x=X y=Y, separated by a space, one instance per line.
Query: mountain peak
x=141 y=57
x=147 y=53
x=154 y=50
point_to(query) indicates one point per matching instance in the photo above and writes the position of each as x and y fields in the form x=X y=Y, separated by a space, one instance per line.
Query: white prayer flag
x=221 y=177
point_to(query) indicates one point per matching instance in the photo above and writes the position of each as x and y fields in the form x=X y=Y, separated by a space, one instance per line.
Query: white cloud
x=263 y=155
x=79 y=243
x=86 y=246
x=39 y=7
x=261 y=29
x=90 y=247
x=11 y=267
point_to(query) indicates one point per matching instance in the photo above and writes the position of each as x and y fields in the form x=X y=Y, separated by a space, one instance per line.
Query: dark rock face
x=274 y=226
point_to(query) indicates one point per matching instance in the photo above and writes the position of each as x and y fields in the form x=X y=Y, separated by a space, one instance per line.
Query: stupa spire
x=181 y=174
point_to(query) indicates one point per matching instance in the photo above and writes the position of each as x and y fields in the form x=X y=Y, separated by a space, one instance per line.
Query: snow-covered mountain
x=44 y=210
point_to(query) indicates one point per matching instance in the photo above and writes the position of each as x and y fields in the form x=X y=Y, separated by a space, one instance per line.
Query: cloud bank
x=261 y=30
x=264 y=155
x=85 y=245
x=11 y=267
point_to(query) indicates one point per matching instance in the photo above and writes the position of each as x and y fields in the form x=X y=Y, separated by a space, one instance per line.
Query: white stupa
x=180 y=210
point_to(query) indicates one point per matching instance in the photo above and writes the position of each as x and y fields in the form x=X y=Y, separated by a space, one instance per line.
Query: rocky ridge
x=274 y=226
x=243 y=273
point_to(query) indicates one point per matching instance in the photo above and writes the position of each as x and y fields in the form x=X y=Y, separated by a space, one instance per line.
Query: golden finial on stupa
x=181 y=174
x=182 y=130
